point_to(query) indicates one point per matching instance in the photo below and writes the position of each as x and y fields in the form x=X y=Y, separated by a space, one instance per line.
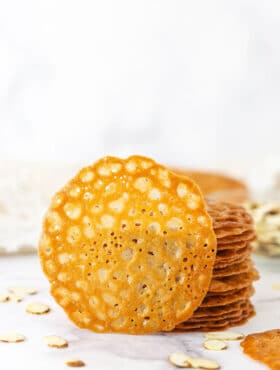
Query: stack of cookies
x=130 y=247
x=227 y=302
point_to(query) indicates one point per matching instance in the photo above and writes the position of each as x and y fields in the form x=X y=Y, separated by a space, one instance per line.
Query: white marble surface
x=107 y=351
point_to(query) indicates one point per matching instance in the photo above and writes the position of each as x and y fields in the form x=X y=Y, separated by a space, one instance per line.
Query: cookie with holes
x=128 y=247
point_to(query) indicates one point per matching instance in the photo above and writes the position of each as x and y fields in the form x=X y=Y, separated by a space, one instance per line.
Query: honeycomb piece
x=128 y=247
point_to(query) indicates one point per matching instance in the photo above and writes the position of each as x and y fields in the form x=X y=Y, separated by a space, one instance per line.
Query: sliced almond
x=37 y=308
x=31 y=291
x=215 y=345
x=22 y=290
x=55 y=341
x=16 y=297
x=4 y=297
x=11 y=337
x=179 y=359
x=203 y=363
x=224 y=335
x=16 y=289
x=74 y=362
x=276 y=286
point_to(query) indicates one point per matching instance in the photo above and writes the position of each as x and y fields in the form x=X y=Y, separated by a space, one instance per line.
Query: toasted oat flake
x=37 y=308
x=74 y=362
x=11 y=337
x=204 y=363
x=55 y=341
x=276 y=286
x=224 y=335
x=215 y=345
x=179 y=359
x=4 y=297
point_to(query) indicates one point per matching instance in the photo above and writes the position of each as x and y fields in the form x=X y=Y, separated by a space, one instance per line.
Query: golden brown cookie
x=217 y=186
x=264 y=347
x=218 y=310
x=229 y=315
x=239 y=259
x=128 y=246
x=234 y=269
x=221 y=324
x=224 y=299
x=229 y=283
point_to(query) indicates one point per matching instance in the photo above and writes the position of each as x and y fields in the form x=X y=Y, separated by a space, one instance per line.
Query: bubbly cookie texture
x=128 y=246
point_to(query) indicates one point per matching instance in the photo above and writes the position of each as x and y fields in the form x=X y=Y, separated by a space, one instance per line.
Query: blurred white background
x=191 y=82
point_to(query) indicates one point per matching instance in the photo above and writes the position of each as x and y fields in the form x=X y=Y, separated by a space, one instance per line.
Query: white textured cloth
x=25 y=192
x=27 y=187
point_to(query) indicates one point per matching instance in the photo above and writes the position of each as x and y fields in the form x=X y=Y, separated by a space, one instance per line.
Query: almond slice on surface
x=11 y=337
x=37 y=308
x=31 y=291
x=16 y=297
x=4 y=297
x=17 y=294
x=22 y=290
x=215 y=345
x=179 y=359
x=224 y=335
x=55 y=341
x=74 y=362
x=203 y=363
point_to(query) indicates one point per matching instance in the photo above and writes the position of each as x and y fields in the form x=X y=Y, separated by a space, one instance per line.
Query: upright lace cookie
x=128 y=247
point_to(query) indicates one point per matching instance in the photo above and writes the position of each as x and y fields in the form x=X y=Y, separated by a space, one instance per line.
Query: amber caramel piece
x=264 y=347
